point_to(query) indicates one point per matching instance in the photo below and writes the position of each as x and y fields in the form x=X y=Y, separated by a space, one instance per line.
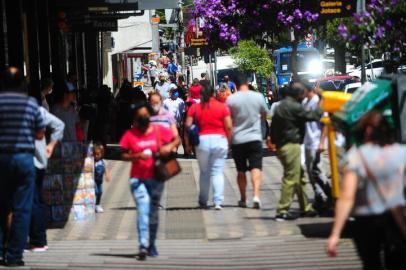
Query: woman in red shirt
x=140 y=143
x=195 y=92
x=215 y=130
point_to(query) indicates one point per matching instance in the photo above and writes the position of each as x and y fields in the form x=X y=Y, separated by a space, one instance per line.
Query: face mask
x=50 y=91
x=175 y=95
x=143 y=122
x=156 y=107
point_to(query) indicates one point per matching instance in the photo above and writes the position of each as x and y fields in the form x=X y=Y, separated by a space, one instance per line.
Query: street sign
x=96 y=25
x=157 y=4
x=198 y=42
x=330 y=9
x=336 y=9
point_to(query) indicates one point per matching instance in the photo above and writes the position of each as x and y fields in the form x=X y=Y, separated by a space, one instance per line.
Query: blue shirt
x=20 y=118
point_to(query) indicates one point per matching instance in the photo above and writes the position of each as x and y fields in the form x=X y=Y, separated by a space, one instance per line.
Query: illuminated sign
x=336 y=9
x=199 y=42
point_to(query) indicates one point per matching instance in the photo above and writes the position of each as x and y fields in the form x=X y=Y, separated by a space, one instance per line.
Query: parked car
x=335 y=83
x=373 y=70
x=352 y=87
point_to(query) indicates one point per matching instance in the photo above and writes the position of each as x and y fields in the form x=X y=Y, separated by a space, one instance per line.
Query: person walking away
x=195 y=92
x=182 y=87
x=43 y=151
x=66 y=112
x=100 y=173
x=287 y=133
x=140 y=145
x=20 y=124
x=248 y=109
x=223 y=93
x=215 y=131
x=313 y=130
x=204 y=80
x=47 y=85
x=231 y=85
x=374 y=183
x=162 y=87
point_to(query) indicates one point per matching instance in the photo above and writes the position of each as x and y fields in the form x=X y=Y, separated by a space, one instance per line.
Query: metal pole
x=363 y=71
x=332 y=152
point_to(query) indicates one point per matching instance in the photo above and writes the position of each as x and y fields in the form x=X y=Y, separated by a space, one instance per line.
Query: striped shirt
x=20 y=118
x=164 y=118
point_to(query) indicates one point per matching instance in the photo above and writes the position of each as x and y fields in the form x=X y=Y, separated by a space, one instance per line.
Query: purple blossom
x=289 y=19
x=389 y=23
x=343 y=31
x=298 y=14
x=380 y=31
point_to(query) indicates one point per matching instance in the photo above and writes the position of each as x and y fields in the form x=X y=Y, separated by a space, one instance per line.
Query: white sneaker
x=256 y=203
x=99 y=209
x=218 y=207
x=39 y=248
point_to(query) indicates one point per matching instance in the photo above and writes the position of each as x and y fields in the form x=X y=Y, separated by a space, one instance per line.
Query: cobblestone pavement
x=233 y=238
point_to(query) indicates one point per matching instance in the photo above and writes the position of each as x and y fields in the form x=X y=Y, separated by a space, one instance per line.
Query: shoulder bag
x=193 y=131
x=165 y=167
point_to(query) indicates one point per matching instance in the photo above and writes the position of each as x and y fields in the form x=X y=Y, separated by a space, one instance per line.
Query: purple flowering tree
x=228 y=21
x=382 y=26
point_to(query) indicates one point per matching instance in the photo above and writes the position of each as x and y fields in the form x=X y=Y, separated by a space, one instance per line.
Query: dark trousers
x=39 y=215
x=377 y=238
x=16 y=195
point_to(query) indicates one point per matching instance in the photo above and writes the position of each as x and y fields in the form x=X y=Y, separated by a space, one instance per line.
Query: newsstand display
x=68 y=186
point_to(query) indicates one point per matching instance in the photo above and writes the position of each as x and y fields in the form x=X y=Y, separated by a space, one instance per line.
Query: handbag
x=193 y=132
x=165 y=167
x=398 y=212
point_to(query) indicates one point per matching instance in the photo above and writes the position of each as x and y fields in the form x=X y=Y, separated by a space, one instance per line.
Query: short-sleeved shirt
x=20 y=118
x=312 y=129
x=246 y=108
x=136 y=142
x=164 y=118
x=70 y=118
x=210 y=117
x=195 y=91
x=176 y=107
x=163 y=90
x=388 y=165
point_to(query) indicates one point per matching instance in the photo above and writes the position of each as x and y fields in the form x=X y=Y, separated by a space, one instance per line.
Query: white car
x=373 y=70
x=352 y=87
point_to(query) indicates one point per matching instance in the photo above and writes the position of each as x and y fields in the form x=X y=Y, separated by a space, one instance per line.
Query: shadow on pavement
x=323 y=230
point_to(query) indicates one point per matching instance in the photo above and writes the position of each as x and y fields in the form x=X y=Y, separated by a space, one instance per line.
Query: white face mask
x=156 y=107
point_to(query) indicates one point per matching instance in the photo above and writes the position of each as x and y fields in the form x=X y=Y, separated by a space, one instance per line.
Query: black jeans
x=374 y=235
x=39 y=214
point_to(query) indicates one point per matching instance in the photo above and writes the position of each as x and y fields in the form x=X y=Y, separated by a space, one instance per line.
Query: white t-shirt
x=163 y=90
x=176 y=107
x=313 y=129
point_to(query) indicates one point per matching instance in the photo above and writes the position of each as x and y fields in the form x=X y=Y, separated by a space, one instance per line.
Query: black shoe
x=204 y=206
x=14 y=264
x=284 y=217
x=311 y=213
x=142 y=255
x=242 y=204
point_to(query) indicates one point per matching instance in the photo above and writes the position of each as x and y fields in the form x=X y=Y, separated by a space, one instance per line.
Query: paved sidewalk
x=190 y=238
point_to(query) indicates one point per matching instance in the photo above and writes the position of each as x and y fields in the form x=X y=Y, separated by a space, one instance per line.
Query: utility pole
x=361 y=9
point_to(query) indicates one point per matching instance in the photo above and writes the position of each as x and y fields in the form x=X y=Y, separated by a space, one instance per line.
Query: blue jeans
x=211 y=154
x=39 y=215
x=16 y=195
x=98 y=188
x=147 y=195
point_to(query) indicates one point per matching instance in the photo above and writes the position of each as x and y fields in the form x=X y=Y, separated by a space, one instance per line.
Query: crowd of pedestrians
x=227 y=121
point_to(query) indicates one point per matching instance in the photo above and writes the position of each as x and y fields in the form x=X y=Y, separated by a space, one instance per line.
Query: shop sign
x=199 y=42
x=336 y=9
